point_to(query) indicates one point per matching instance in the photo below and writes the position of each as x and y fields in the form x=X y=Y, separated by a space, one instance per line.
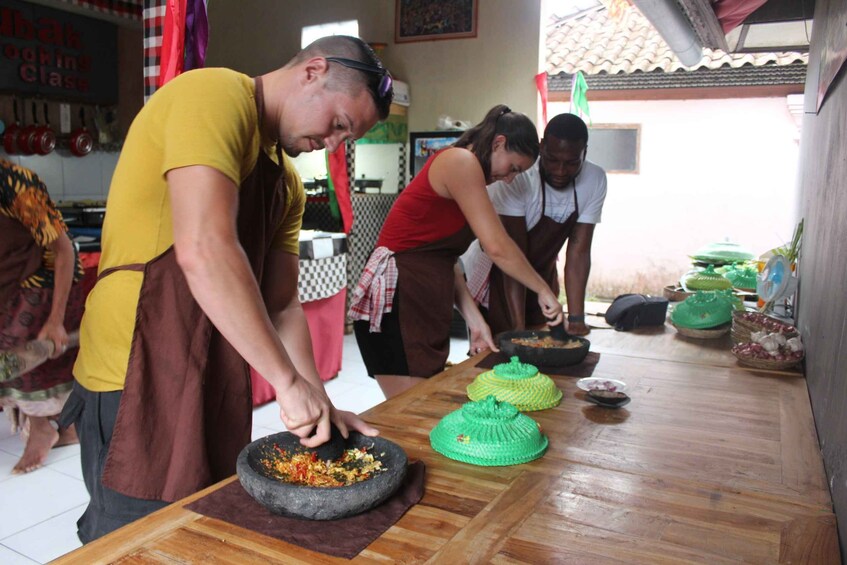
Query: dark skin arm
x=577 y=267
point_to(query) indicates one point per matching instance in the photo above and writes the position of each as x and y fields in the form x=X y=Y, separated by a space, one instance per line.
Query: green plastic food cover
x=707 y=279
x=488 y=433
x=705 y=309
x=742 y=277
x=722 y=252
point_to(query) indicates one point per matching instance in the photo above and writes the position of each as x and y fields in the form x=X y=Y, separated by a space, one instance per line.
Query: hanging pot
x=81 y=141
x=10 y=136
x=26 y=135
x=45 y=137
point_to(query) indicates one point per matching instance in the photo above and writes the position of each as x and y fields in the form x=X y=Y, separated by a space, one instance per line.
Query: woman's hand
x=550 y=307
x=55 y=332
x=481 y=338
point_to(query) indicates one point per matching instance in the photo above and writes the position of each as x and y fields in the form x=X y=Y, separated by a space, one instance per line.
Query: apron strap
x=130 y=267
x=260 y=110
x=575 y=199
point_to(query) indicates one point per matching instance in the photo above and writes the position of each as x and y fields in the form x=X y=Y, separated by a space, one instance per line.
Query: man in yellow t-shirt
x=198 y=277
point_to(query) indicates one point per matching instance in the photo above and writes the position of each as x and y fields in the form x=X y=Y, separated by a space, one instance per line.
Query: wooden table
x=709 y=463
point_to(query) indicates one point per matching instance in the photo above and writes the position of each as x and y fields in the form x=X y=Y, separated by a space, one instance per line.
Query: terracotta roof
x=724 y=77
x=597 y=44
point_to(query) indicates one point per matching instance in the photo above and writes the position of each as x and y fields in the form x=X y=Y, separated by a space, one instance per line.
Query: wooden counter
x=709 y=463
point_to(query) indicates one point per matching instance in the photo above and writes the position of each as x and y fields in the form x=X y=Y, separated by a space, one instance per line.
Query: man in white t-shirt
x=541 y=222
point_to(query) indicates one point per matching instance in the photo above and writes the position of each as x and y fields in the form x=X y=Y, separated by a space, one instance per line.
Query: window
x=615 y=147
x=311 y=33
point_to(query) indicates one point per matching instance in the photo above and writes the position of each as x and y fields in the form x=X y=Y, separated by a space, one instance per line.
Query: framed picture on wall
x=427 y=20
x=424 y=144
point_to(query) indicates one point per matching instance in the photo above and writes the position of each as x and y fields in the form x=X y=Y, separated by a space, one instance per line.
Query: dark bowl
x=539 y=356
x=320 y=503
x=610 y=398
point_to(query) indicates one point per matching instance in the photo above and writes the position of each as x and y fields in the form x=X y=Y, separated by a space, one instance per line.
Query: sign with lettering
x=55 y=54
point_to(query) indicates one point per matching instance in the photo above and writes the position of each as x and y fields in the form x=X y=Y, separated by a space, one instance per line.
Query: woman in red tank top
x=403 y=305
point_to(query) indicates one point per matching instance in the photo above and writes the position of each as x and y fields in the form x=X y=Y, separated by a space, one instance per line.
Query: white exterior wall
x=709 y=170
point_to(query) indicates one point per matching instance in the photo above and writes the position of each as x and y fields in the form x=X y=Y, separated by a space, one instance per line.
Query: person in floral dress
x=40 y=298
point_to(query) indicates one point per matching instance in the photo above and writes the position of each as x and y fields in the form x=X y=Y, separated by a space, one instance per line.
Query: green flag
x=579 y=101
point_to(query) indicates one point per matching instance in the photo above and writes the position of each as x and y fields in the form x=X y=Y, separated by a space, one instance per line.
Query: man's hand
x=304 y=408
x=346 y=421
x=578 y=328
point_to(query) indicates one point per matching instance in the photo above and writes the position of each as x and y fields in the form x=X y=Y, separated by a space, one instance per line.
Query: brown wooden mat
x=346 y=537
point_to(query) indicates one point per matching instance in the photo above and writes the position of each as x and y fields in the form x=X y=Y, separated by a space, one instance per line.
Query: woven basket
x=519 y=384
x=741 y=328
x=739 y=335
x=708 y=333
x=537 y=393
x=774 y=365
x=488 y=433
x=674 y=293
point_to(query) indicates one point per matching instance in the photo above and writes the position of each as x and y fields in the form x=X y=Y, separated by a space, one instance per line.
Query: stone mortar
x=320 y=503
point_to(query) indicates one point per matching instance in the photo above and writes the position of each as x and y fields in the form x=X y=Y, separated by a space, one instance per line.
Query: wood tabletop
x=709 y=463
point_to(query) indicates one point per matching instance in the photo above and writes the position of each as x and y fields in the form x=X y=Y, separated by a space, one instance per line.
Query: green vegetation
x=791 y=250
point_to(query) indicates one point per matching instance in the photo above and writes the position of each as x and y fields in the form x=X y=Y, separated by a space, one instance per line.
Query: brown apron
x=186 y=408
x=544 y=241
x=20 y=256
x=425 y=289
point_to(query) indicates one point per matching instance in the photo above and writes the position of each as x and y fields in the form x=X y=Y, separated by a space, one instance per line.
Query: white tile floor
x=38 y=511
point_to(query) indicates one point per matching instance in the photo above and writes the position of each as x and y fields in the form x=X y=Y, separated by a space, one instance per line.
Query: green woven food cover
x=742 y=278
x=705 y=310
x=724 y=269
x=514 y=369
x=723 y=251
x=707 y=279
x=488 y=433
x=519 y=384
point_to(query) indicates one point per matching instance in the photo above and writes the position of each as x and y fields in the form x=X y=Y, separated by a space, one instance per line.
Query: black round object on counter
x=320 y=503
x=608 y=398
x=540 y=356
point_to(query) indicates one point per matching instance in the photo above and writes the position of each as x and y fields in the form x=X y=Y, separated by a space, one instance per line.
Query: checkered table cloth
x=322 y=278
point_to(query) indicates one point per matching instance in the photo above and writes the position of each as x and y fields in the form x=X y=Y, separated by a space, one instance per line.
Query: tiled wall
x=71 y=178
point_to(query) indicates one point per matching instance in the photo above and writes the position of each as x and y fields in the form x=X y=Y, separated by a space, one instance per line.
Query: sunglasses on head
x=385 y=81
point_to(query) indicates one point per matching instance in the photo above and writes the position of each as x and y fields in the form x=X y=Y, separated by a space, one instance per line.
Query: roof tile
x=595 y=43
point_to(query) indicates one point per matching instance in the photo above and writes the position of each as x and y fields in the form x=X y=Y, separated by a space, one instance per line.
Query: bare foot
x=67 y=436
x=42 y=437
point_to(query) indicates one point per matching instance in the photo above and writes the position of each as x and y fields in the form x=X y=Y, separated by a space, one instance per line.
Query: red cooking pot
x=45 y=137
x=10 y=136
x=26 y=135
x=81 y=142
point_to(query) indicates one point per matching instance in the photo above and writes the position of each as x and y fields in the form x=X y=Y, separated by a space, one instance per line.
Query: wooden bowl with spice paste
x=259 y=464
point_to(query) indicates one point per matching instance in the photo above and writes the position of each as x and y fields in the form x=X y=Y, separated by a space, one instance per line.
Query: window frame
x=615 y=126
